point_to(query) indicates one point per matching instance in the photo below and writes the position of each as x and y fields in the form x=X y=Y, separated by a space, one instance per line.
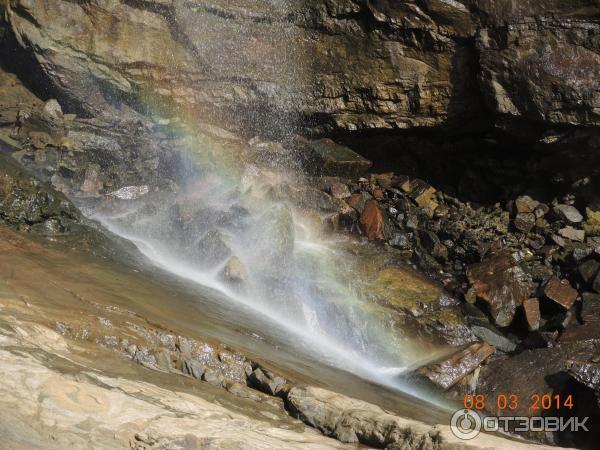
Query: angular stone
x=53 y=109
x=525 y=204
x=450 y=371
x=592 y=224
x=524 y=222
x=266 y=382
x=572 y=233
x=214 y=377
x=490 y=334
x=385 y=180
x=569 y=213
x=401 y=241
x=325 y=157
x=358 y=200
x=501 y=283
x=192 y=368
x=235 y=271
x=339 y=190
x=541 y=210
x=588 y=270
x=433 y=245
x=531 y=306
x=586 y=372
x=371 y=221
x=427 y=200
x=561 y=292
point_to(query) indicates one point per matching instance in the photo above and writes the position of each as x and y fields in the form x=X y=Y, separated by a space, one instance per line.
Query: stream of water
x=304 y=285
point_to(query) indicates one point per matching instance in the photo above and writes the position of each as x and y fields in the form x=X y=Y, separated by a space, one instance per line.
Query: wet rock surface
x=381 y=65
x=449 y=372
x=522 y=276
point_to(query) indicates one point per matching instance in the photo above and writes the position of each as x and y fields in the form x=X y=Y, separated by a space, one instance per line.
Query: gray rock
x=354 y=421
x=569 y=213
x=525 y=204
x=572 y=233
x=491 y=335
x=266 y=382
x=193 y=368
x=239 y=390
x=53 y=109
x=587 y=373
x=588 y=270
x=235 y=271
x=214 y=377
x=325 y=157
x=163 y=359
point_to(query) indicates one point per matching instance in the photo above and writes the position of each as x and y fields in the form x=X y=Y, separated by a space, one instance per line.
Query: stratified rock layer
x=350 y=64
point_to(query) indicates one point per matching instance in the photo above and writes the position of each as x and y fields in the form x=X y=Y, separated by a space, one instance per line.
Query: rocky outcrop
x=351 y=65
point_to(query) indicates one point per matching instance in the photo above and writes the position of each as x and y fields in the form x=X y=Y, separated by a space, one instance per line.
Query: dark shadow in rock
x=585 y=404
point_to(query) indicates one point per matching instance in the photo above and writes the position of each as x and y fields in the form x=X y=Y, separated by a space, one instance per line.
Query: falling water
x=226 y=227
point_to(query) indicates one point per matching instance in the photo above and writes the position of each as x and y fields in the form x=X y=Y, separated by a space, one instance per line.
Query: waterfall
x=228 y=224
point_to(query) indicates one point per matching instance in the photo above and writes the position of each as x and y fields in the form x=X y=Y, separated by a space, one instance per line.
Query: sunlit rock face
x=350 y=64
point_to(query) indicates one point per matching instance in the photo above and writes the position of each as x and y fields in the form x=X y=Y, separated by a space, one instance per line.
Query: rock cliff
x=325 y=65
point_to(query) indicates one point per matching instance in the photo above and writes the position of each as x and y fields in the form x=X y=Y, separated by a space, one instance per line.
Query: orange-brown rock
x=371 y=221
x=561 y=292
x=501 y=283
x=531 y=306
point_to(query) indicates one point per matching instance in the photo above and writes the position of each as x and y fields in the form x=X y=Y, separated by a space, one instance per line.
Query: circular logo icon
x=465 y=424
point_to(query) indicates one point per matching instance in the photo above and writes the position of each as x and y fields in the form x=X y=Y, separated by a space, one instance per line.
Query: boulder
x=531 y=372
x=503 y=284
x=372 y=221
x=482 y=329
x=587 y=373
x=265 y=381
x=525 y=222
x=359 y=200
x=325 y=157
x=525 y=204
x=568 y=213
x=561 y=292
x=25 y=200
x=52 y=108
x=339 y=190
x=588 y=270
x=450 y=371
x=355 y=421
x=235 y=271
x=214 y=377
x=572 y=234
